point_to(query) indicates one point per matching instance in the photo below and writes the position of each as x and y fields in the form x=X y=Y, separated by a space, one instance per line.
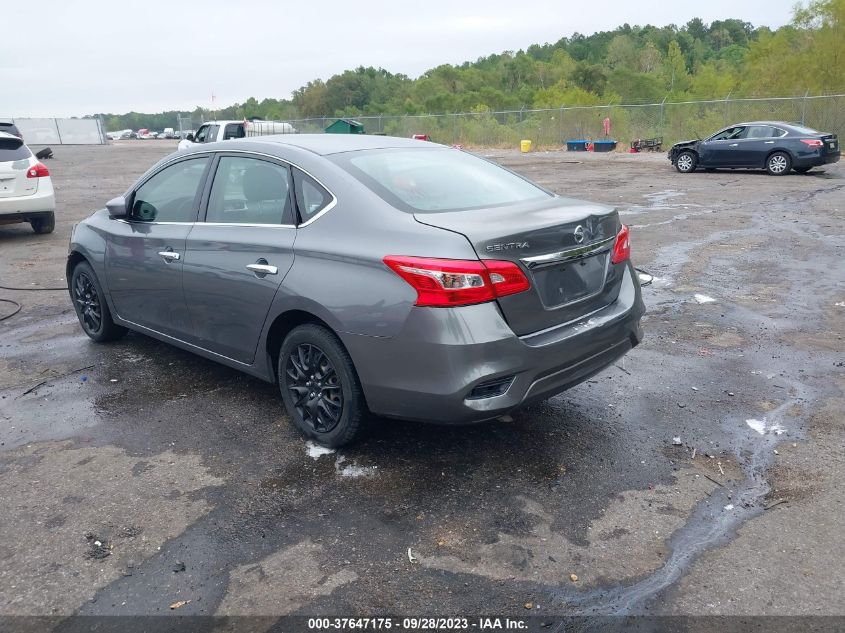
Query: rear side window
x=13 y=149
x=764 y=131
x=170 y=195
x=437 y=179
x=311 y=196
x=233 y=130
x=249 y=191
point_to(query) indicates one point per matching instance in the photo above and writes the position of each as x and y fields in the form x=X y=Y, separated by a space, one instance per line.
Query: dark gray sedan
x=362 y=274
x=774 y=146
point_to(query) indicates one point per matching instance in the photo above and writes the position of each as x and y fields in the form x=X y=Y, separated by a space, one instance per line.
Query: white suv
x=26 y=191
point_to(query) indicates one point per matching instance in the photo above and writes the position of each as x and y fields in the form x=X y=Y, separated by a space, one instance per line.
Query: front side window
x=170 y=195
x=730 y=134
x=202 y=134
x=211 y=135
x=437 y=179
x=311 y=196
x=249 y=191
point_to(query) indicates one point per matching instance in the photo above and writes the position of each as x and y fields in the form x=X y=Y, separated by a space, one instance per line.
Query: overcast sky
x=75 y=58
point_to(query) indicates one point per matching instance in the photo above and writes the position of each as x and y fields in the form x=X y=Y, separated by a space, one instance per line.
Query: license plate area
x=560 y=284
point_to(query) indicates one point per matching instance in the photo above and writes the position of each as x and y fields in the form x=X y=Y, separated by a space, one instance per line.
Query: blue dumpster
x=576 y=145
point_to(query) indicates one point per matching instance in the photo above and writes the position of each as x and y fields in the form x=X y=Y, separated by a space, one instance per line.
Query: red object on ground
x=421 y=137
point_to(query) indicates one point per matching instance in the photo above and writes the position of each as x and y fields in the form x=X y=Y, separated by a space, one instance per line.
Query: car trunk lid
x=563 y=246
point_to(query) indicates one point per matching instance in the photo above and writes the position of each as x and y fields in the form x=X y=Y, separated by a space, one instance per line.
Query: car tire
x=686 y=162
x=44 y=224
x=91 y=306
x=320 y=387
x=779 y=164
x=802 y=170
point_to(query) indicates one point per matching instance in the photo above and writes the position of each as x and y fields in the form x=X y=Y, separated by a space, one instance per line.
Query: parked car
x=214 y=131
x=771 y=145
x=10 y=128
x=362 y=273
x=26 y=190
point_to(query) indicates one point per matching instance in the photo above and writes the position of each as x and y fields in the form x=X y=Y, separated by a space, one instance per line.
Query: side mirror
x=190 y=137
x=117 y=207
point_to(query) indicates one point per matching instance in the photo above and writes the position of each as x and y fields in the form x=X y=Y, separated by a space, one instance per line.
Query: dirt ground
x=701 y=475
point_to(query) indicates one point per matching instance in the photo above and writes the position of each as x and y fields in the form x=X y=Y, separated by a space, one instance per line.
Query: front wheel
x=320 y=386
x=779 y=164
x=686 y=162
x=89 y=301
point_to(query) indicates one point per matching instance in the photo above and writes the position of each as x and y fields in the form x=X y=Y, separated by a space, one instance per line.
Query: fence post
x=58 y=133
x=804 y=107
x=661 y=125
x=725 y=116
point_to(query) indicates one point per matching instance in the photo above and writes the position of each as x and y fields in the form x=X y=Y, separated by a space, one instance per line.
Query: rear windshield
x=805 y=130
x=13 y=149
x=438 y=179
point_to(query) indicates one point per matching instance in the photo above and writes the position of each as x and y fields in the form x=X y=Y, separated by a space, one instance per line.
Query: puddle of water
x=658 y=201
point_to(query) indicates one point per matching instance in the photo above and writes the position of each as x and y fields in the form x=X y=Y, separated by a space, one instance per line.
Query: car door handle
x=263 y=269
x=169 y=256
x=769 y=142
x=734 y=145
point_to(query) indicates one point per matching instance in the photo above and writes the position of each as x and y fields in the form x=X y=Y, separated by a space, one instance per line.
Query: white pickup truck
x=214 y=131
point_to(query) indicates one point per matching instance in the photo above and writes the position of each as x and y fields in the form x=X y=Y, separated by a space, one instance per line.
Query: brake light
x=622 y=247
x=812 y=142
x=38 y=170
x=457 y=282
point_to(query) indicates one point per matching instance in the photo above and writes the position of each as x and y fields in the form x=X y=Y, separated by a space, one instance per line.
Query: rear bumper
x=816 y=160
x=428 y=371
x=20 y=209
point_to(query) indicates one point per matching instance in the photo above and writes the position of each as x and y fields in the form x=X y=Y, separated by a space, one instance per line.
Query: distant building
x=345 y=126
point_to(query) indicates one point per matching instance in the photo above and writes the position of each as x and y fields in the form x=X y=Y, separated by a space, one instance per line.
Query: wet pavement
x=700 y=475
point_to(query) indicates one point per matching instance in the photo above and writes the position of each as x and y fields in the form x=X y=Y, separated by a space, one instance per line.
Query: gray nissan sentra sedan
x=362 y=274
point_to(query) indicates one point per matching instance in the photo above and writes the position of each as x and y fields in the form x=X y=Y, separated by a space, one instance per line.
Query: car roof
x=325 y=144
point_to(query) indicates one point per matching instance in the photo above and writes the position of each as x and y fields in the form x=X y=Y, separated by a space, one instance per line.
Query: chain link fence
x=670 y=121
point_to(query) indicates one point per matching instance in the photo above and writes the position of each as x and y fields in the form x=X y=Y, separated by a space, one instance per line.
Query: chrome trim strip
x=246 y=224
x=183 y=156
x=567 y=255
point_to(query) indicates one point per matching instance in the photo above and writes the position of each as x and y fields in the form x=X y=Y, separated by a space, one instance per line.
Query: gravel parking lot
x=701 y=475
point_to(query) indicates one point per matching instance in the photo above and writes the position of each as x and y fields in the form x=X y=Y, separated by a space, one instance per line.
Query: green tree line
x=630 y=64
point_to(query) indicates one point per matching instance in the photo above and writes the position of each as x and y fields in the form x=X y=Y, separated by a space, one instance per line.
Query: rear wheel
x=89 y=301
x=778 y=164
x=686 y=162
x=44 y=224
x=320 y=386
x=802 y=170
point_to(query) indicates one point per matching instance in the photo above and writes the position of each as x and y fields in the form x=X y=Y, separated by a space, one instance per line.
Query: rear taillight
x=457 y=282
x=38 y=170
x=622 y=248
x=812 y=142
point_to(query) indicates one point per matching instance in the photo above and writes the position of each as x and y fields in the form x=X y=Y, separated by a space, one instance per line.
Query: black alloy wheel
x=90 y=305
x=315 y=387
x=320 y=386
x=87 y=303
